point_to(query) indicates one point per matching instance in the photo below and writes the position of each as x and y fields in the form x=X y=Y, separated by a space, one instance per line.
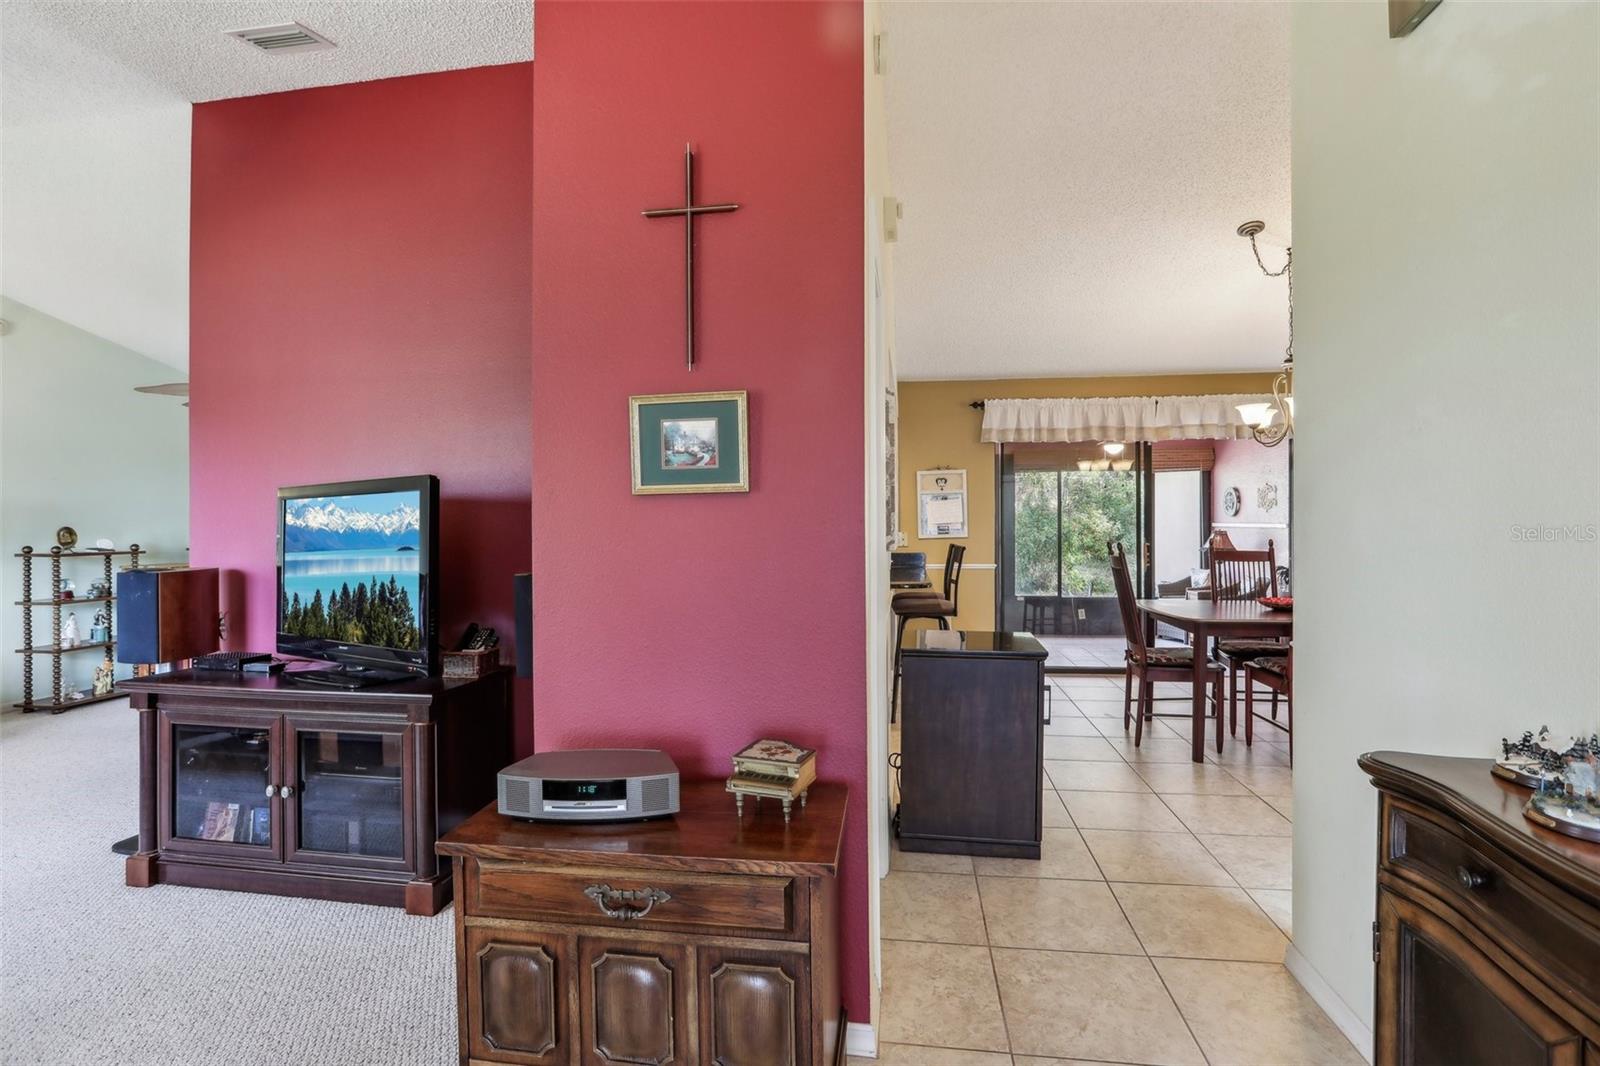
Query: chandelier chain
x=1286 y=269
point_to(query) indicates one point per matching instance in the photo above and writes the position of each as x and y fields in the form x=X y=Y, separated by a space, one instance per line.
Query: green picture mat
x=727 y=471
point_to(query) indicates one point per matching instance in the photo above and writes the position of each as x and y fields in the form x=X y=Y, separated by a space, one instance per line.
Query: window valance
x=1124 y=418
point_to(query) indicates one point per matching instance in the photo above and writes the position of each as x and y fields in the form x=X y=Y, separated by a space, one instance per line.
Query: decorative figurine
x=103 y=679
x=69 y=631
x=100 y=628
x=69 y=590
x=105 y=544
x=1568 y=795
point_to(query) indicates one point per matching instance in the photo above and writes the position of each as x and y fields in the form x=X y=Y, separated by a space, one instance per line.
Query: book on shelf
x=221 y=821
x=259 y=828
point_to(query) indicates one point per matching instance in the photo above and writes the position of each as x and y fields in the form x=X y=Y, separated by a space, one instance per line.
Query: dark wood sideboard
x=700 y=938
x=972 y=743
x=254 y=783
x=1487 y=939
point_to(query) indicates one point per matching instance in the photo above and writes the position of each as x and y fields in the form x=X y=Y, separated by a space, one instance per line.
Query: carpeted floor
x=96 y=973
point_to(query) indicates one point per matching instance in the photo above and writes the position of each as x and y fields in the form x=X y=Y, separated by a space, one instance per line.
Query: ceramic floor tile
x=914 y=1055
x=1038 y=1060
x=1266 y=780
x=1061 y=854
x=1115 y=776
x=1236 y=815
x=1153 y=750
x=1254 y=862
x=1154 y=858
x=1190 y=779
x=929 y=862
x=1279 y=905
x=1091 y=749
x=1254 y=1013
x=1065 y=723
x=941 y=995
x=1055 y=812
x=1196 y=922
x=1106 y=1007
x=1099 y=708
x=1284 y=805
x=939 y=907
x=1142 y=812
x=1234 y=753
x=1036 y=912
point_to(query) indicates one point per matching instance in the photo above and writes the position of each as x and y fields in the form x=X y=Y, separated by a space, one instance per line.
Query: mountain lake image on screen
x=352 y=569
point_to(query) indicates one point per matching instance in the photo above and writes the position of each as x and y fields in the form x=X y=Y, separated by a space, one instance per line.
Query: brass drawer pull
x=605 y=895
x=1470 y=878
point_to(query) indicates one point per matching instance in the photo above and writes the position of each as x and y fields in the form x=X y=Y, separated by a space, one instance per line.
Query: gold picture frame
x=680 y=442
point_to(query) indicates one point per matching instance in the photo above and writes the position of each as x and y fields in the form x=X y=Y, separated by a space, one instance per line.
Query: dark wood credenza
x=1487 y=939
x=700 y=938
x=254 y=783
x=972 y=743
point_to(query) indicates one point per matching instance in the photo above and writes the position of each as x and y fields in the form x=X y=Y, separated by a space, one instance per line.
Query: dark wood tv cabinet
x=1487 y=939
x=707 y=937
x=255 y=783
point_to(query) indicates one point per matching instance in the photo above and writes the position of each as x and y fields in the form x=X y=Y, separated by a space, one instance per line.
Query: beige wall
x=1447 y=582
x=937 y=428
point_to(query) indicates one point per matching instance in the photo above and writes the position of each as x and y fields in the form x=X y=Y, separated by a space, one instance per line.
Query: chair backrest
x=1131 y=627
x=1244 y=573
x=952 y=573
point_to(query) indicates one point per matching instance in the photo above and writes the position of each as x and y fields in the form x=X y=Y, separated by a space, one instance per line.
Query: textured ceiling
x=1072 y=174
x=95 y=120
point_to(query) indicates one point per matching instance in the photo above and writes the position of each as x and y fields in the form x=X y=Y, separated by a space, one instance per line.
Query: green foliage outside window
x=1095 y=506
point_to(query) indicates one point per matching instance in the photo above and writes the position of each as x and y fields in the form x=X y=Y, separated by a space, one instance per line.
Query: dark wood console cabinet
x=1487 y=939
x=702 y=938
x=254 y=783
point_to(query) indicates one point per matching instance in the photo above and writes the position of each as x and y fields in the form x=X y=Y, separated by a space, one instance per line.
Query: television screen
x=354 y=571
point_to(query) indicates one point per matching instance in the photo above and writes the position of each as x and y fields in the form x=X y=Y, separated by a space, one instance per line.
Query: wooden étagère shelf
x=60 y=697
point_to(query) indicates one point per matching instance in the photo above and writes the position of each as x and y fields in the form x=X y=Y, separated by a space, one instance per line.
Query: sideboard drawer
x=1498 y=892
x=639 y=899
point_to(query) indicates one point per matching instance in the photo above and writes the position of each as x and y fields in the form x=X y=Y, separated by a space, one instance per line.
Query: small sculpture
x=103 y=680
x=69 y=631
x=100 y=628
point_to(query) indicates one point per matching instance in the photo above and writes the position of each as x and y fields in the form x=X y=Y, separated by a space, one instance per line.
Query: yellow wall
x=937 y=428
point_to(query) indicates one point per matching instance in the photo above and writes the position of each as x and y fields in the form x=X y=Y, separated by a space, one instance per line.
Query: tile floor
x=1152 y=930
x=1088 y=652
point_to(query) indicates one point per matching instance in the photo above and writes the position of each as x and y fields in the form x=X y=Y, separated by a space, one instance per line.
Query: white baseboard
x=861 y=1040
x=1337 y=1010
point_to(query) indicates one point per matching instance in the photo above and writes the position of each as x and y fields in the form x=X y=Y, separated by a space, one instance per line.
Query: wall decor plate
x=690 y=442
x=1231 y=501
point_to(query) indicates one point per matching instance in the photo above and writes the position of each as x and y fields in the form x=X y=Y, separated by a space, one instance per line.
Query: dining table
x=1204 y=620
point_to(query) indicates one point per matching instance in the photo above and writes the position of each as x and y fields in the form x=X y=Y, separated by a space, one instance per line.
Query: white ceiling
x=1072 y=175
x=95 y=120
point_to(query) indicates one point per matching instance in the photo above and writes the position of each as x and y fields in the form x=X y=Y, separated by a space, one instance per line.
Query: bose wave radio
x=594 y=785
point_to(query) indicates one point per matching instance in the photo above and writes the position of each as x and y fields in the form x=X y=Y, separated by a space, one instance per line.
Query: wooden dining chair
x=1275 y=673
x=1150 y=665
x=925 y=604
x=1244 y=574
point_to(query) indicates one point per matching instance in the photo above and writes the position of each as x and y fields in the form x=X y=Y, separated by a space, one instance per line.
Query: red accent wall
x=359 y=307
x=698 y=623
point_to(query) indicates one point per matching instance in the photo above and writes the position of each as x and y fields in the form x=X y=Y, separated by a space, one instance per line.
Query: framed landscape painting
x=690 y=442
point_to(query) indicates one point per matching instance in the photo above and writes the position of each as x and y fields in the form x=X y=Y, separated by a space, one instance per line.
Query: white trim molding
x=861 y=1040
x=1337 y=1010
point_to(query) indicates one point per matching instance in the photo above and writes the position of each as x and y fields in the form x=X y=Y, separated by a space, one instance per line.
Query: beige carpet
x=96 y=973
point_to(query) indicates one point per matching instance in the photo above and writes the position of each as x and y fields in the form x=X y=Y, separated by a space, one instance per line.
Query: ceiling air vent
x=290 y=37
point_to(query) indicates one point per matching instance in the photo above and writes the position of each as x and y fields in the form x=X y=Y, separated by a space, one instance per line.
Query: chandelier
x=1271 y=422
x=1114 y=459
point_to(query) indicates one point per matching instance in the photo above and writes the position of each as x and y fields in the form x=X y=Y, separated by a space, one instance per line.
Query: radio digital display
x=574 y=791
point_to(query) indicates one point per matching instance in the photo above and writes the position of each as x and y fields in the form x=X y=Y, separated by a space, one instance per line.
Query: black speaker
x=166 y=615
x=524 y=608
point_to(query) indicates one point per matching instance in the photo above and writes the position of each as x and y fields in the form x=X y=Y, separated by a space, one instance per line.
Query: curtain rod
x=976 y=405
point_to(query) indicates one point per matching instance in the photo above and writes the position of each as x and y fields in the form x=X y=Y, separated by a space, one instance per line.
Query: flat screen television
x=358 y=573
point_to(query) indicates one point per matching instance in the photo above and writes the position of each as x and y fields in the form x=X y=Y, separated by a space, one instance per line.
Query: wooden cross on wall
x=688 y=211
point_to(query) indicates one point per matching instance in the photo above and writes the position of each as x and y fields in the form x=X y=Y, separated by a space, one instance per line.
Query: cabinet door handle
x=285 y=792
x=270 y=790
x=604 y=896
x=1470 y=878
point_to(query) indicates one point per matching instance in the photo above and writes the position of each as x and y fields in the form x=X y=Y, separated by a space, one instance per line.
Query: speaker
x=166 y=615
x=524 y=610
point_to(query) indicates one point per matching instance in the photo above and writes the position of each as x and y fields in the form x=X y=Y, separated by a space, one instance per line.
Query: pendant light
x=1270 y=423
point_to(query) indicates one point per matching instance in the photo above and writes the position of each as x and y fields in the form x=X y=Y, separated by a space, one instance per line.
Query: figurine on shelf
x=69 y=631
x=99 y=590
x=100 y=629
x=68 y=589
x=103 y=679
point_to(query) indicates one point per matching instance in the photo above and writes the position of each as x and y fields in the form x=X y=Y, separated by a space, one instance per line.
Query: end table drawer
x=636 y=898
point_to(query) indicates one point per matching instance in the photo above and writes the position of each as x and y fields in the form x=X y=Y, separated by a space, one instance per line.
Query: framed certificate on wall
x=941 y=504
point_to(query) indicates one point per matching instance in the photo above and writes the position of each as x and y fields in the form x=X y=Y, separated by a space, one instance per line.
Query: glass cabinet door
x=349 y=803
x=222 y=785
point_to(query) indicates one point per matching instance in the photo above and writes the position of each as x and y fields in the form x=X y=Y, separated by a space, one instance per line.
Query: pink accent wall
x=359 y=307
x=698 y=623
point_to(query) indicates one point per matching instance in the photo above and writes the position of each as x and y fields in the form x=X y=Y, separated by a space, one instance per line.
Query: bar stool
x=909 y=605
